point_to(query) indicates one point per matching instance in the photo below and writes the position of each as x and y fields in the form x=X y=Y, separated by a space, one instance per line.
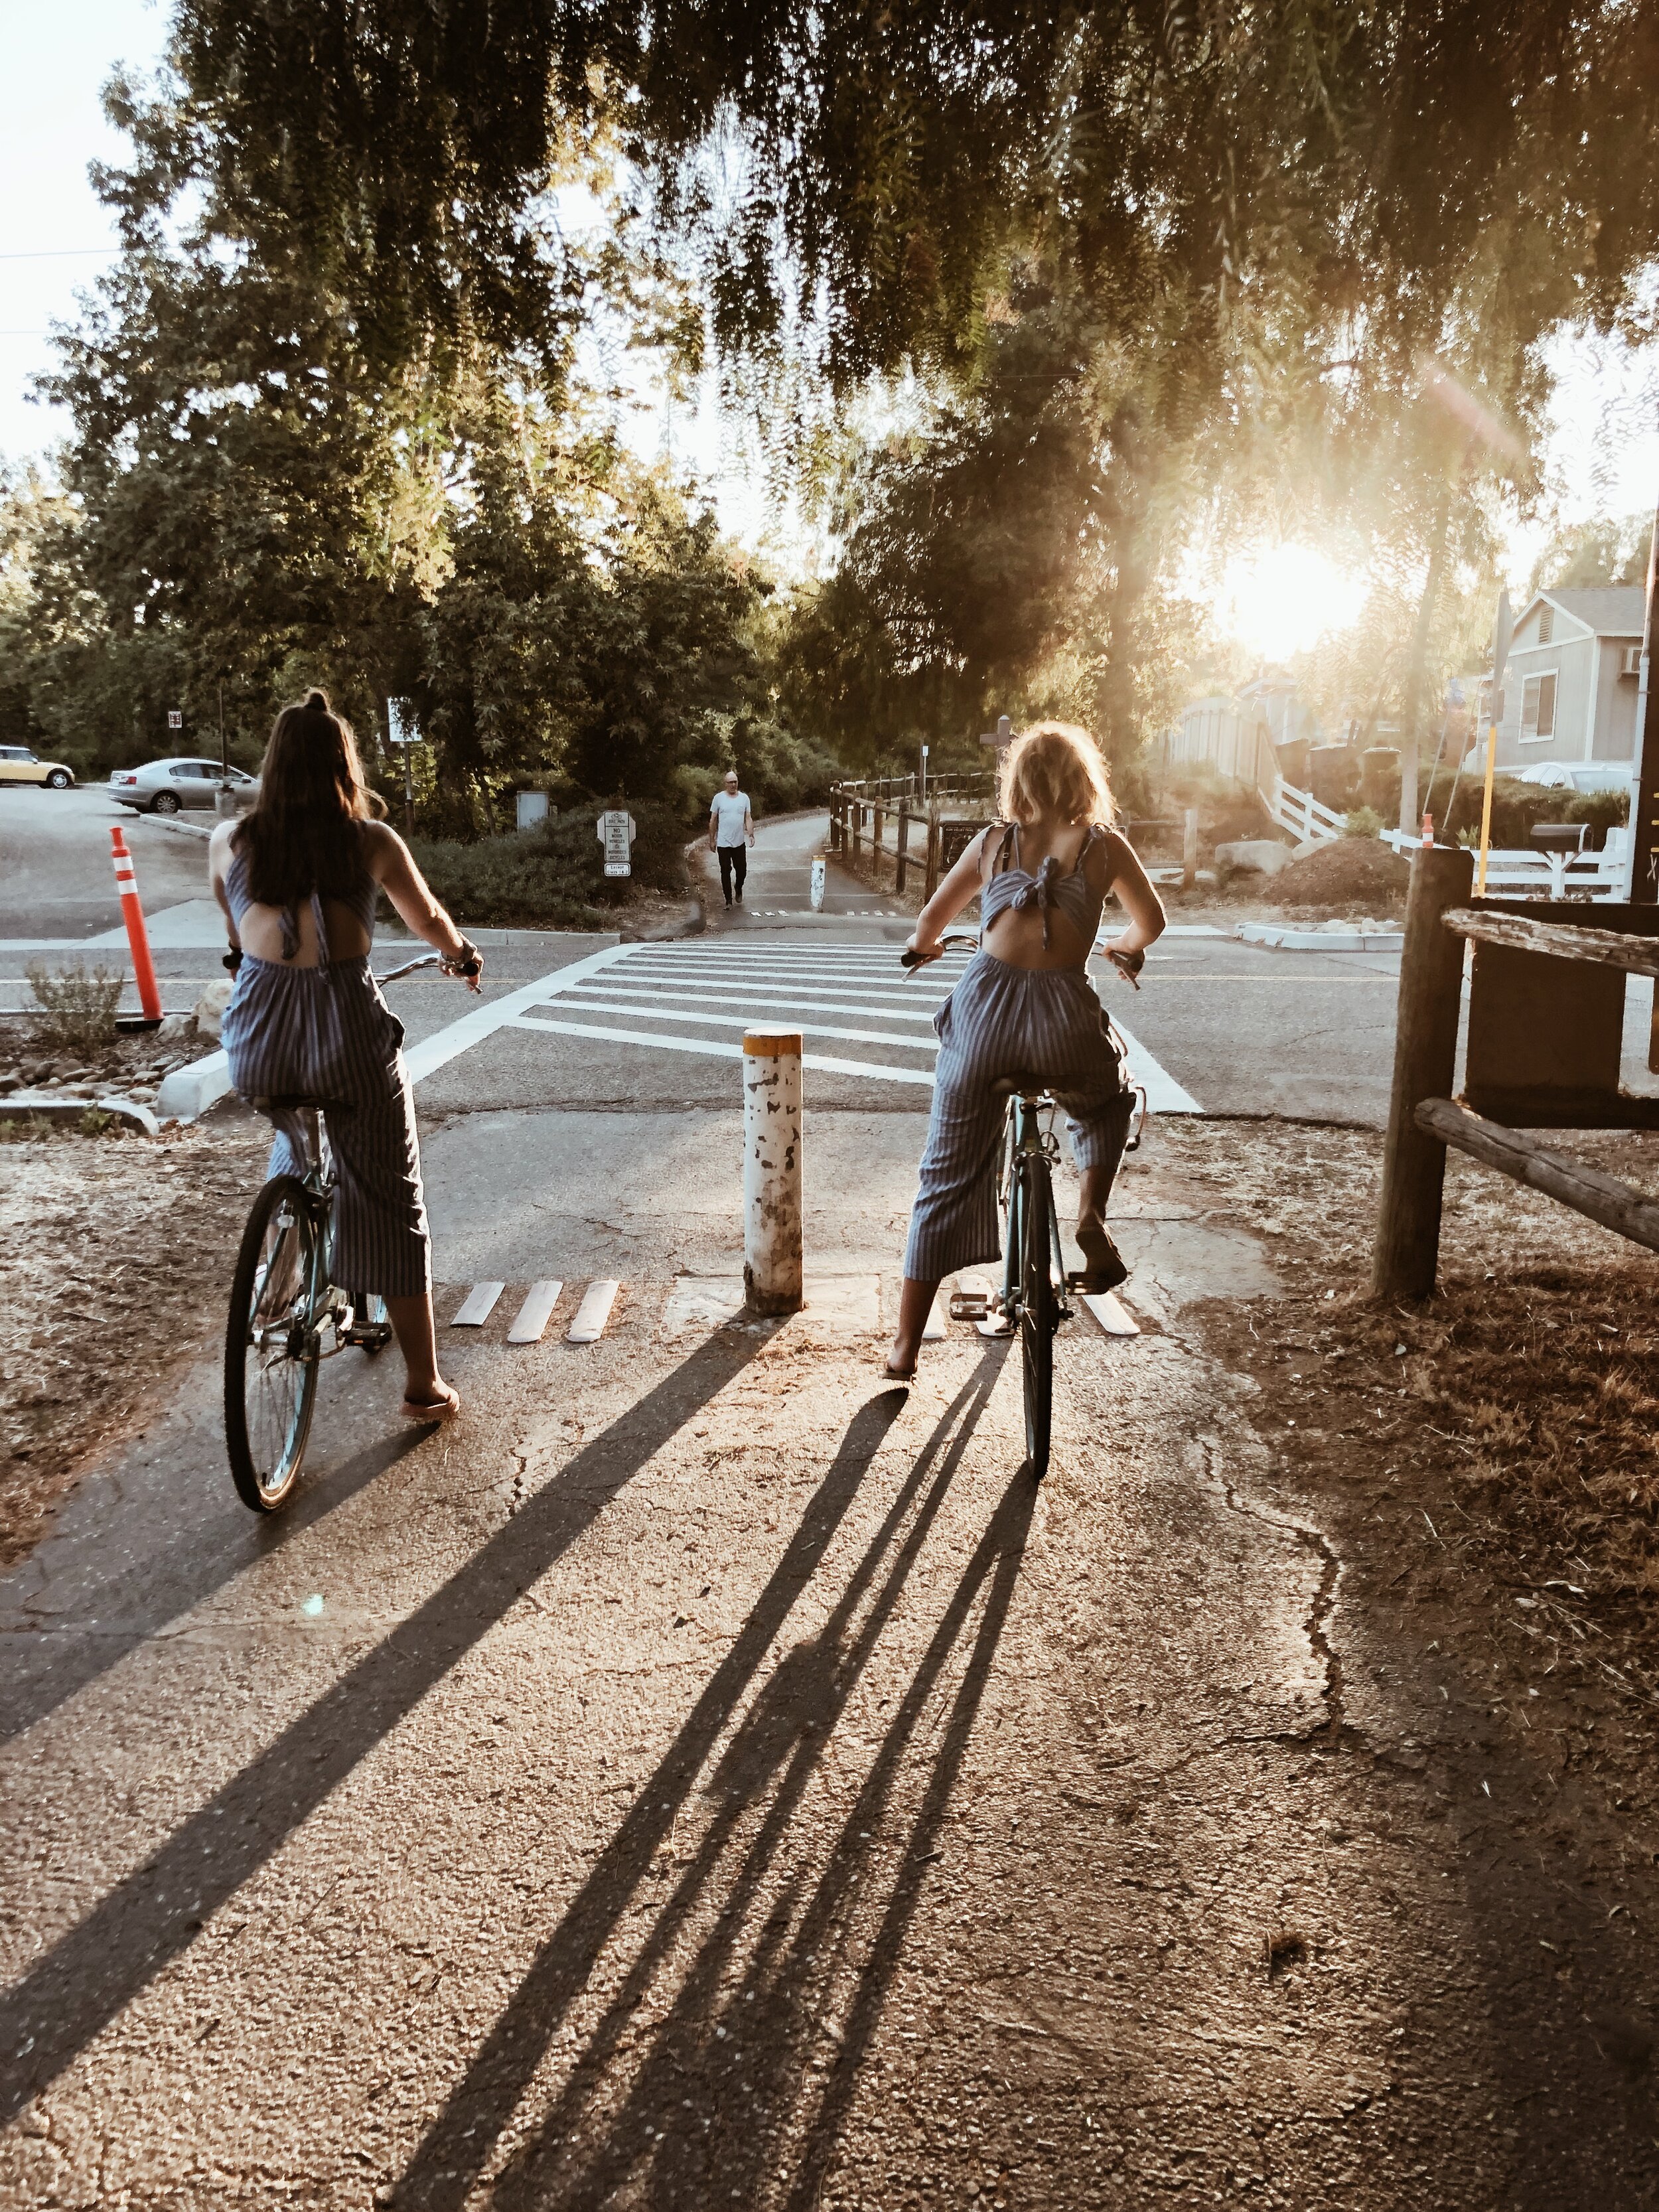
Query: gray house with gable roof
x=1569 y=687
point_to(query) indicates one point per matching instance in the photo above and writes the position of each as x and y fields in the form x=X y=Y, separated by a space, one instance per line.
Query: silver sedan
x=163 y=786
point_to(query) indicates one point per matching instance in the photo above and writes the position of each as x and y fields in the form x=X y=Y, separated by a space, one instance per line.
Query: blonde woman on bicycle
x=298 y=880
x=1025 y=1007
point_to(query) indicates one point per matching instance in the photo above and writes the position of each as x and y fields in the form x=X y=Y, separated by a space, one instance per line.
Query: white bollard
x=818 y=884
x=771 y=1171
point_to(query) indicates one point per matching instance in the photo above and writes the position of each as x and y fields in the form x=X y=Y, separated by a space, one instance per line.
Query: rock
x=177 y=1028
x=1261 y=856
x=11 y=1080
x=211 y=1006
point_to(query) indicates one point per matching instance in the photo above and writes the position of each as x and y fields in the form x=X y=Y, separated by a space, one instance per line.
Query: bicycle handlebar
x=426 y=960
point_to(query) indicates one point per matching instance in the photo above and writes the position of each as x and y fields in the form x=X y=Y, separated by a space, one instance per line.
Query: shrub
x=552 y=876
x=1362 y=822
x=78 y=1010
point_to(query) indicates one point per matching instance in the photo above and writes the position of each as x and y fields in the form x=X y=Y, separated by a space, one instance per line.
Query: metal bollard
x=818 y=884
x=772 y=1269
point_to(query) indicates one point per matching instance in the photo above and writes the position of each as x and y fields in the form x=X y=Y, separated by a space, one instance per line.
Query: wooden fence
x=888 y=818
x=1545 y=1029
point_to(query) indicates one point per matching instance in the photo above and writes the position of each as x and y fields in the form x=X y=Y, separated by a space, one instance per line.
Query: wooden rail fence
x=1546 y=1027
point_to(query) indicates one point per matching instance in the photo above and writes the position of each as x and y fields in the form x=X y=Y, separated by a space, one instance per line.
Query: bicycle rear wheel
x=1039 y=1314
x=271 y=1365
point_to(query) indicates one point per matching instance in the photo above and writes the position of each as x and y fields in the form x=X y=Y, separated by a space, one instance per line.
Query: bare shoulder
x=1110 y=855
x=222 y=843
x=382 y=848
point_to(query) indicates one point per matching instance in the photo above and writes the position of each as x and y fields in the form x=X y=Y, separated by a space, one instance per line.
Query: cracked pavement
x=705 y=1777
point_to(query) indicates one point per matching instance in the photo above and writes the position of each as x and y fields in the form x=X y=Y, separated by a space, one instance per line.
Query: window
x=1538 y=708
x=1546 y=624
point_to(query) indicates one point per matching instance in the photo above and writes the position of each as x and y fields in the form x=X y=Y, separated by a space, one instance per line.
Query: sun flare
x=1283 y=600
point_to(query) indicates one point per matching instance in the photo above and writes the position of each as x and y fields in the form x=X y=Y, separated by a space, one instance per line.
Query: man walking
x=731 y=830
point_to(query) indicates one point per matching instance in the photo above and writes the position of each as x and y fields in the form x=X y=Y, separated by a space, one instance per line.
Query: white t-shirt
x=729 y=809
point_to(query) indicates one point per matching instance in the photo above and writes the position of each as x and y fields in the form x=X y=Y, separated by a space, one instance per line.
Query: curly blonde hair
x=1055 y=768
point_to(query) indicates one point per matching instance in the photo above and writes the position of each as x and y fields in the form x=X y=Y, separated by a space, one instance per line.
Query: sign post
x=175 y=719
x=401 y=731
x=1503 y=631
x=617 y=829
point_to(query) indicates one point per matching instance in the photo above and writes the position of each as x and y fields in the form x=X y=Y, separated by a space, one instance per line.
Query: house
x=1236 y=737
x=1569 y=686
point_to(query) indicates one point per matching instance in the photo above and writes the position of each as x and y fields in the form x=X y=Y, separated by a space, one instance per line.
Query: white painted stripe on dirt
x=437 y=1051
x=935 y=1328
x=710 y=1050
x=533 y=1315
x=1111 y=1313
x=587 y=1326
x=479 y=1305
x=1163 y=1094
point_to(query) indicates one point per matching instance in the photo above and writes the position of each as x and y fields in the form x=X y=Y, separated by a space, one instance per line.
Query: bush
x=78 y=1010
x=1516 y=807
x=1362 y=822
x=552 y=876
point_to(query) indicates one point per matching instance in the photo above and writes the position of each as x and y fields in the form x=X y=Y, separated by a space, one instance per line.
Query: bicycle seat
x=1020 y=1086
x=294 y=1102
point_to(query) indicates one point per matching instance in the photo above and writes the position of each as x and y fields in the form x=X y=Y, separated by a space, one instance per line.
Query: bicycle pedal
x=970 y=1305
x=997 y=1325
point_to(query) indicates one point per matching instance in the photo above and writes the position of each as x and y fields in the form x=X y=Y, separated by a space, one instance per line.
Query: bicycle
x=287 y=1311
x=1033 y=1302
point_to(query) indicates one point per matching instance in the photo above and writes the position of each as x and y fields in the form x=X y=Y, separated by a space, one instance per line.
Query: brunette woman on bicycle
x=1025 y=1007
x=298 y=879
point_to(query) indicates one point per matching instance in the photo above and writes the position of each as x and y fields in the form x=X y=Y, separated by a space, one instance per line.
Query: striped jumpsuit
x=1002 y=1022
x=326 y=1032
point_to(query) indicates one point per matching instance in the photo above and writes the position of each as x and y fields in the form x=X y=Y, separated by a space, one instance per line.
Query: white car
x=1591 y=775
x=163 y=786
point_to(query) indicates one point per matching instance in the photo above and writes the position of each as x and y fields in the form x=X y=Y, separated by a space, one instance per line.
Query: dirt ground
x=114 y=1253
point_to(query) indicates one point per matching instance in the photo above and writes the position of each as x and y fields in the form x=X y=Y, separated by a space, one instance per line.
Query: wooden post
x=858 y=826
x=902 y=864
x=1408 y=1249
x=834 y=818
x=877 y=825
x=1189 y=849
x=930 y=875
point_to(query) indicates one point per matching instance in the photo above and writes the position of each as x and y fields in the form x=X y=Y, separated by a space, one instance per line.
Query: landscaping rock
x=1261 y=856
x=211 y=1006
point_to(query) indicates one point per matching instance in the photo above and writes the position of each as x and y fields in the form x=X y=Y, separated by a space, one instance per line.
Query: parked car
x=19 y=765
x=1590 y=776
x=163 y=786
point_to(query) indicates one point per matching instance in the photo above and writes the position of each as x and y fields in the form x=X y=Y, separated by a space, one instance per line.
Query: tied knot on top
x=1039 y=893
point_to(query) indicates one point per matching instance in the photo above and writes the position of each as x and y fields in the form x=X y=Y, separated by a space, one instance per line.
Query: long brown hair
x=304 y=834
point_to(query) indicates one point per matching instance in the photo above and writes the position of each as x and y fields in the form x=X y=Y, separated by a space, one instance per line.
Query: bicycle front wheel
x=270 y=1365
x=1039 y=1313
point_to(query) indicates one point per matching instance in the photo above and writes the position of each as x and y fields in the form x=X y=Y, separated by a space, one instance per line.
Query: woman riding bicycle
x=1025 y=1008
x=298 y=879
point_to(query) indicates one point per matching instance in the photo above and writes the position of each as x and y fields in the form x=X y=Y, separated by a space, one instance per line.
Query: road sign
x=400 y=722
x=1002 y=735
x=175 y=719
x=616 y=833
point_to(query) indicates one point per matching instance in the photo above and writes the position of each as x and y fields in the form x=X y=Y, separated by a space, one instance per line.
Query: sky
x=1603 y=455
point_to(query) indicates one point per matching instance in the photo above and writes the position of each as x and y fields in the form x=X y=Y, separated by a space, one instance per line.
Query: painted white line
x=535 y=1313
x=479 y=1306
x=815 y=1000
x=1111 y=1313
x=592 y=1315
x=1163 y=1094
x=710 y=1050
x=437 y=1051
x=683 y=1013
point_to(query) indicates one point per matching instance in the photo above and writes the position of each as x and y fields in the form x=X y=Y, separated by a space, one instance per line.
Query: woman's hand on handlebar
x=1128 y=963
x=466 y=962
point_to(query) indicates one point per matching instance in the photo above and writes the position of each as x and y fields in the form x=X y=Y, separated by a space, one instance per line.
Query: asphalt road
x=56 y=879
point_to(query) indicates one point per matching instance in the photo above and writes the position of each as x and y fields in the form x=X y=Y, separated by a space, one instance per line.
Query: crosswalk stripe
x=587 y=1325
x=710 y=1050
x=533 y=1315
x=928 y=1043
x=477 y=1307
x=814 y=1001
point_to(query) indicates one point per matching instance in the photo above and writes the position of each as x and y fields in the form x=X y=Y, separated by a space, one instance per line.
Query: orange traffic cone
x=132 y=913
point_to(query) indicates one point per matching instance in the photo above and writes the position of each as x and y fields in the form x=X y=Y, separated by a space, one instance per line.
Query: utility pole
x=1643 y=884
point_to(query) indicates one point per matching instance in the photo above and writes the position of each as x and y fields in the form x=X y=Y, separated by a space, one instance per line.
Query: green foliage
x=77 y=1009
x=1516 y=807
x=554 y=875
x=1607 y=550
x=1362 y=822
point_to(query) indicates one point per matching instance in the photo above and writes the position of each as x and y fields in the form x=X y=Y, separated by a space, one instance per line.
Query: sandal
x=435 y=1410
x=1106 y=1266
x=901 y=1376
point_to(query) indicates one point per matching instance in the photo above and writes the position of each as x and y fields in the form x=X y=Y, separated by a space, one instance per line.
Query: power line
x=61 y=253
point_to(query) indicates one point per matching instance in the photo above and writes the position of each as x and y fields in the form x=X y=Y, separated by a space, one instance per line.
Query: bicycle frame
x=1028 y=1134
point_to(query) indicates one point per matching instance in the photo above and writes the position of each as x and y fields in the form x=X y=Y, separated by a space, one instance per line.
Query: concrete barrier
x=186 y=1094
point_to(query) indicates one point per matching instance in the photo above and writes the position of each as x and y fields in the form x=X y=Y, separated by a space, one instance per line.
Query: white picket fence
x=1306 y=817
x=1531 y=874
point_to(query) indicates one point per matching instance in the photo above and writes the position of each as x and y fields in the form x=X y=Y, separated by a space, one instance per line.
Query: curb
x=694 y=924
x=1318 y=940
x=186 y=1094
x=54 y=1104
x=179 y=826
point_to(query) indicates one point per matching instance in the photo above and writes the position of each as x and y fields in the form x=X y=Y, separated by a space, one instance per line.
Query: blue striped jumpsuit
x=326 y=1032
x=1002 y=1022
